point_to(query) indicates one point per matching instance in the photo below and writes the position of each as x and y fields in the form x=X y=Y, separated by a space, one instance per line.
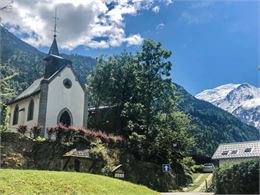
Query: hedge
x=240 y=178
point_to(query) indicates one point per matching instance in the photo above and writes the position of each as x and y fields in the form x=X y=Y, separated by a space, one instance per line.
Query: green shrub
x=197 y=168
x=187 y=164
x=109 y=157
x=36 y=130
x=241 y=178
x=39 y=139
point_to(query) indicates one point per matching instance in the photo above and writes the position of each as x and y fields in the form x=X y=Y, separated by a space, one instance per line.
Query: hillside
x=241 y=100
x=212 y=125
x=49 y=182
x=27 y=61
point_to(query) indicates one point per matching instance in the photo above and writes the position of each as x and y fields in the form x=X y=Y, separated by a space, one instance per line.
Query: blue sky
x=213 y=42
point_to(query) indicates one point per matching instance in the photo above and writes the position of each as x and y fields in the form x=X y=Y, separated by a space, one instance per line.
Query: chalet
x=236 y=152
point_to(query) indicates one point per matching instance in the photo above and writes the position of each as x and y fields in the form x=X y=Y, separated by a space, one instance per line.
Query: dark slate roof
x=78 y=153
x=54 y=48
x=224 y=151
x=34 y=88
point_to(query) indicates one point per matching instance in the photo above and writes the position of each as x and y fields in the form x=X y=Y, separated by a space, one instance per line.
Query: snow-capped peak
x=242 y=100
x=216 y=94
x=253 y=103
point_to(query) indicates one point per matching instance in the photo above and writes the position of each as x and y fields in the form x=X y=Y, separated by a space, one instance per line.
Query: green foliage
x=241 y=178
x=187 y=164
x=36 y=130
x=107 y=155
x=210 y=125
x=148 y=174
x=139 y=86
x=4 y=118
x=6 y=92
x=197 y=168
x=39 y=139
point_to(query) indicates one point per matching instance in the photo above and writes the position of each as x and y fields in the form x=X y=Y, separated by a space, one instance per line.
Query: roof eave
x=22 y=98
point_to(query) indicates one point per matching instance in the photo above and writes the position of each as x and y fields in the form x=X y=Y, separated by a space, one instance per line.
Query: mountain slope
x=242 y=100
x=28 y=62
x=212 y=125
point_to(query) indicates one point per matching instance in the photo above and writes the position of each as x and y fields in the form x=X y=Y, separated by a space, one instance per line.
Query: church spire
x=54 y=46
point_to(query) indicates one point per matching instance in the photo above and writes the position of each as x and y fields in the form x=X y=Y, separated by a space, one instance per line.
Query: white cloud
x=202 y=4
x=156 y=9
x=134 y=39
x=160 y=26
x=198 y=18
x=189 y=18
x=168 y=2
x=81 y=22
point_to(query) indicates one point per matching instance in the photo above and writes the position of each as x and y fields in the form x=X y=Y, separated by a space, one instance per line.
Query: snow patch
x=241 y=100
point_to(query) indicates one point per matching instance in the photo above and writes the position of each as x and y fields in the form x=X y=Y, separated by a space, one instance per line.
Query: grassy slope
x=51 y=182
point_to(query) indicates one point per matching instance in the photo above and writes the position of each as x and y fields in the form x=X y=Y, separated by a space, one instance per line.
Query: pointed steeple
x=53 y=61
x=54 y=48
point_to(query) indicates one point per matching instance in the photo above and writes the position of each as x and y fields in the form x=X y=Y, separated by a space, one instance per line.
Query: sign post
x=166 y=168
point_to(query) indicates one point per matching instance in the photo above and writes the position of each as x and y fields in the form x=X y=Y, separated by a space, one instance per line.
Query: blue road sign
x=166 y=168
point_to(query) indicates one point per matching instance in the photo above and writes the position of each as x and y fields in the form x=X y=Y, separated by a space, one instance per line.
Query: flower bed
x=64 y=132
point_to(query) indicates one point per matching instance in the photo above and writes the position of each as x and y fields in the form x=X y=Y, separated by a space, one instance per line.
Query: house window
x=234 y=152
x=248 y=149
x=30 y=110
x=16 y=115
x=224 y=153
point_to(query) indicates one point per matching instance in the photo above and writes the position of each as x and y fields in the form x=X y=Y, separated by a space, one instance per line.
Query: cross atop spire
x=54 y=46
x=55 y=23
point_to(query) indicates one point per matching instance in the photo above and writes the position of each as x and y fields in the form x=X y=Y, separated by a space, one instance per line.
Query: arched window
x=30 y=111
x=16 y=115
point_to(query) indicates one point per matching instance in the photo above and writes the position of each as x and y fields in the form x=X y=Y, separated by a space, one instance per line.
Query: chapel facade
x=57 y=97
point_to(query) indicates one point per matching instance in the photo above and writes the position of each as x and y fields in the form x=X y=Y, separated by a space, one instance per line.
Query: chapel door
x=65 y=119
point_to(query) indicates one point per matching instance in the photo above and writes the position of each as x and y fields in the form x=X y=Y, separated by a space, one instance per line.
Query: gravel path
x=198 y=189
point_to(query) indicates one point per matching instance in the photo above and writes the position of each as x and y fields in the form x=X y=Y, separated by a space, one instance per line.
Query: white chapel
x=57 y=97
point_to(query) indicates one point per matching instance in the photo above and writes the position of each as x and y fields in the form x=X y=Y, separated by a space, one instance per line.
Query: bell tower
x=53 y=62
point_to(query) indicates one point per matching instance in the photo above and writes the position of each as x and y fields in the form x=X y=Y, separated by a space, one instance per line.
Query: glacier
x=241 y=100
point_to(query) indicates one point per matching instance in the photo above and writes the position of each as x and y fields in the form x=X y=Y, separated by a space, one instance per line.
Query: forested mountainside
x=212 y=125
x=241 y=100
x=27 y=61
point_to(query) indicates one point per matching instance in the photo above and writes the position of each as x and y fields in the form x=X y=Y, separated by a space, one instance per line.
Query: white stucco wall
x=224 y=162
x=59 y=97
x=22 y=119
